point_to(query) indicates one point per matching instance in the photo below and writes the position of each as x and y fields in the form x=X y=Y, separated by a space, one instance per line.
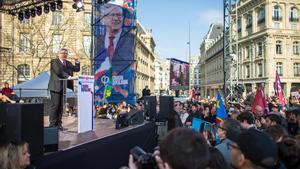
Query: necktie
x=111 y=47
x=64 y=63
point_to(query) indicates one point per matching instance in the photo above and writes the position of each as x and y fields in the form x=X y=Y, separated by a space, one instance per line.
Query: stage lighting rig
x=46 y=8
x=21 y=16
x=59 y=5
x=78 y=5
x=102 y=1
x=27 y=14
x=39 y=10
x=33 y=12
x=52 y=6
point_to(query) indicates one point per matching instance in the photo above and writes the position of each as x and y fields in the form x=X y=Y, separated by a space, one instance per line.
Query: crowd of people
x=248 y=138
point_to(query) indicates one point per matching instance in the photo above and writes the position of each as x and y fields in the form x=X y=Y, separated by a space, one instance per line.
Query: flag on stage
x=278 y=90
x=221 y=112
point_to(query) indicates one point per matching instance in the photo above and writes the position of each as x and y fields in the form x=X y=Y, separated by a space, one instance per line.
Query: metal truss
x=12 y=7
x=230 y=48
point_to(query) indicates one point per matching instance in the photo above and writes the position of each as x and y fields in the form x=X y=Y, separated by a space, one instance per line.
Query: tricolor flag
x=221 y=111
x=278 y=90
x=108 y=85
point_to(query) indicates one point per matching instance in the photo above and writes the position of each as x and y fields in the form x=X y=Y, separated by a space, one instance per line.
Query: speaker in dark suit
x=60 y=68
x=25 y=122
x=150 y=107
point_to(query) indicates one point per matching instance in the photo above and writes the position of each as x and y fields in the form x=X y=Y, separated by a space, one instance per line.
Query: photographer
x=182 y=148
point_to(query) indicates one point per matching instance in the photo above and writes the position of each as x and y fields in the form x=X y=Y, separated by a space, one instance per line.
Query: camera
x=143 y=160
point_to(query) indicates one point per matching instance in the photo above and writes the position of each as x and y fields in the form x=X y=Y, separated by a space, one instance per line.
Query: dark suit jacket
x=58 y=71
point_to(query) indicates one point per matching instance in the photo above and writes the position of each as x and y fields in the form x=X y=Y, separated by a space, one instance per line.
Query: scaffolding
x=230 y=49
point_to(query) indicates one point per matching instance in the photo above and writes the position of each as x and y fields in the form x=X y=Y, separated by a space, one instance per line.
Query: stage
x=104 y=147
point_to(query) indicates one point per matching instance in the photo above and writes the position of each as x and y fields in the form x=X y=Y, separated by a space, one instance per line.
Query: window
x=239 y=25
x=259 y=49
x=247 y=71
x=278 y=47
x=296 y=47
x=277 y=13
x=261 y=15
x=294 y=15
x=87 y=19
x=23 y=72
x=296 y=69
x=249 y=21
x=24 y=42
x=279 y=68
x=259 y=70
x=86 y=70
x=57 y=39
x=249 y=52
x=87 y=44
x=56 y=18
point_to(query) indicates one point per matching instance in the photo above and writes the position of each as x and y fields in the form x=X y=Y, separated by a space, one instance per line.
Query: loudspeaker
x=150 y=107
x=2 y=122
x=121 y=121
x=24 y=122
x=166 y=105
x=50 y=139
x=135 y=117
x=47 y=105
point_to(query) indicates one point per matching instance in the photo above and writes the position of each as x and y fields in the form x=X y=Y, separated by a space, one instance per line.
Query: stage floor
x=70 y=138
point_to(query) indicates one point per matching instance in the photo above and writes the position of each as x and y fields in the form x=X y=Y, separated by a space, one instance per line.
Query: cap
x=256 y=146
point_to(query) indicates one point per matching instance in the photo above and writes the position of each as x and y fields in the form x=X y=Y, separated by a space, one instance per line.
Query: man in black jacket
x=60 y=68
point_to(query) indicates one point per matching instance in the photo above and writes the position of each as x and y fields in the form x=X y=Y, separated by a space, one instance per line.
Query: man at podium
x=60 y=69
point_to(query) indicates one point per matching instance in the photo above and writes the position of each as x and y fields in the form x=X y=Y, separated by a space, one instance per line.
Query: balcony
x=277 y=18
x=294 y=19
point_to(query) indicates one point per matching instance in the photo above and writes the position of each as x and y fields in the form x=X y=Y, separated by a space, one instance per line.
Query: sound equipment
x=135 y=117
x=2 y=122
x=121 y=121
x=50 y=139
x=47 y=106
x=166 y=106
x=150 y=107
x=24 y=122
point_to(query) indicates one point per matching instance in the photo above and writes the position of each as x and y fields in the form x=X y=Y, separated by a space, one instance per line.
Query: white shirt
x=116 y=39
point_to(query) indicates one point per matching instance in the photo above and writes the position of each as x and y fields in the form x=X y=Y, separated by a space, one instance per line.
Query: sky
x=170 y=19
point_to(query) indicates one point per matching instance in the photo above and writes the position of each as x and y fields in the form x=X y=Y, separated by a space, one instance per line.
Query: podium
x=85 y=101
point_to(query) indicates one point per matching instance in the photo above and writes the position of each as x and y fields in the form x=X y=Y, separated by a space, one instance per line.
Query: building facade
x=30 y=44
x=162 y=73
x=145 y=58
x=211 y=62
x=194 y=72
x=268 y=40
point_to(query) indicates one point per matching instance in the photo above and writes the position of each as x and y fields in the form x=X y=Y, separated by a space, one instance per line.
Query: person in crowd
x=6 y=90
x=252 y=149
x=146 y=91
x=4 y=98
x=277 y=132
x=289 y=152
x=60 y=68
x=272 y=120
x=247 y=120
x=19 y=156
x=216 y=160
x=222 y=130
x=194 y=114
x=293 y=118
x=181 y=148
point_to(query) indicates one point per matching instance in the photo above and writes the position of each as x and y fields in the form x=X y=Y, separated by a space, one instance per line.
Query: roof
x=215 y=30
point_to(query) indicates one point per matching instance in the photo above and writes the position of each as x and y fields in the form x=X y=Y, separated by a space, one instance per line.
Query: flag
x=278 y=90
x=108 y=85
x=221 y=112
x=259 y=99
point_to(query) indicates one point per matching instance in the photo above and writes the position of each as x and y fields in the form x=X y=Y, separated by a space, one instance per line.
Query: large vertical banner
x=114 y=40
x=179 y=75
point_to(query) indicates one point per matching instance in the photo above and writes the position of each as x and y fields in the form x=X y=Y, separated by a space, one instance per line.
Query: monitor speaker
x=166 y=106
x=50 y=139
x=135 y=117
x=25 y=122
x=150 y=107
